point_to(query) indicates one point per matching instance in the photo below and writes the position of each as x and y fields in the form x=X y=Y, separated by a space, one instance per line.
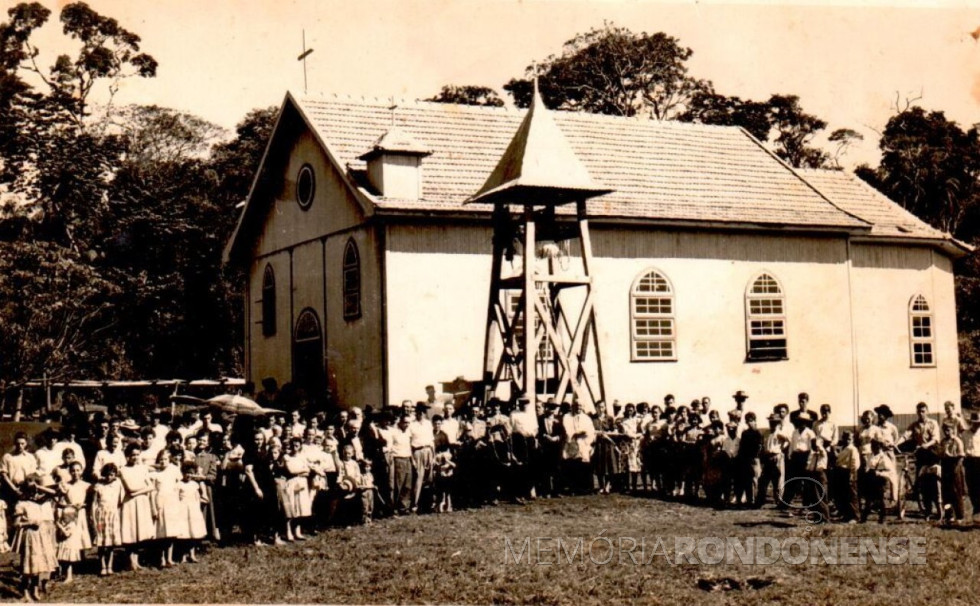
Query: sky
x=849 y=64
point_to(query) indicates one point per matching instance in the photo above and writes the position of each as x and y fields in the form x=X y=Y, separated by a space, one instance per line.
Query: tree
x=108 y=52
x=468 y=95
x=58 y=301
x=613 y=71
x=930 y=165
x=237 y=161
x=796 y=130
x=844 y=138
x=709 y=107
x=57 y=313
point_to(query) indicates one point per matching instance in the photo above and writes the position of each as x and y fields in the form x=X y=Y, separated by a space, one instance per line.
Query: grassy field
x=460 y=558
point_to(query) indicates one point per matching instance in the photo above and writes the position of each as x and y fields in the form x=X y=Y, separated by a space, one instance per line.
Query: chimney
x=394 y=165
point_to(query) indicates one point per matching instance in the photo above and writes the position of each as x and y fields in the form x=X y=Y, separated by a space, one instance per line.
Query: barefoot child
x=107 y=497
x=192 y=496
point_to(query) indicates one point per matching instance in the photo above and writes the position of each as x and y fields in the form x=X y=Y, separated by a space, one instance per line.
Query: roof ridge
x=561 y=114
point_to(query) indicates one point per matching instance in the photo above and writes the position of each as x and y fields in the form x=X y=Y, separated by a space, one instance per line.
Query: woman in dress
x=606 y=460
x=107 y=497
x=170 y=524
x=73 y=497
x=137 y=524
x=632 y=430
x=297 y=500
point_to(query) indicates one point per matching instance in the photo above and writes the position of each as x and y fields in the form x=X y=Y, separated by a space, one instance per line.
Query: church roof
x=665 y=171
x=538 y=165
x=857 y=197
x=662 y=172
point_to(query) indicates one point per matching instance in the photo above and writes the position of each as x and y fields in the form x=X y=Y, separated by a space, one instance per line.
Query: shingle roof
x=857 y=197
x=666 y=171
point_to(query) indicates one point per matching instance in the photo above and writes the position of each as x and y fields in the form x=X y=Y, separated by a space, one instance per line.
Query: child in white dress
x=168 y=513
x=73 y=523
x=192 y=496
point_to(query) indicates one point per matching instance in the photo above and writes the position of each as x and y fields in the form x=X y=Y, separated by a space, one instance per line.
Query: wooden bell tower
x=541 y=334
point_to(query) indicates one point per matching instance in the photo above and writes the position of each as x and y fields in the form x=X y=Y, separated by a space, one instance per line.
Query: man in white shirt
x=296 y=426
x=799 y=455
x=773 y=462
x=450 y=425
x=825 y=429
x=423 y=453
x=15 y=466
x=524 y=431
x=401 y=465
x=785 y=425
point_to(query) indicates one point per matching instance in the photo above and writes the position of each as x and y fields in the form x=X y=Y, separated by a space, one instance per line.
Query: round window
x=305 y=187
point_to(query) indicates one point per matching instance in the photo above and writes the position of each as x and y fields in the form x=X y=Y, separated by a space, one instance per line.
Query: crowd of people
x=157 y=487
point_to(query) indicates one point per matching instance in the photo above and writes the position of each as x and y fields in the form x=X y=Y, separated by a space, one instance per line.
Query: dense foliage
x=112 y=220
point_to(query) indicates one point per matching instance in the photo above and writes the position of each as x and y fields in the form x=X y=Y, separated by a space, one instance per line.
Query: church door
x=309 y=363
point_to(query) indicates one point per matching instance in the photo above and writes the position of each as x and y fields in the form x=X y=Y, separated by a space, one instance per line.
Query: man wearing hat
x=971 y=446
x=740 y=397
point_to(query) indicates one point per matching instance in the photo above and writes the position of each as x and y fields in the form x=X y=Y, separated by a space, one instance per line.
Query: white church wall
x=710 y=274
x=885 y=280
x=438 y=279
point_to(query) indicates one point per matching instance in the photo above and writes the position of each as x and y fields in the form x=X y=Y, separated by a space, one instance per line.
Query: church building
x=716 y=267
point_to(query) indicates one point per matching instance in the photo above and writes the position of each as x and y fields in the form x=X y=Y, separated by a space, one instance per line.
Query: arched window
x=307 y=327
x=352 y=281
x=652 y=331
x=268 y=302
x=765 y=320
x=921 y=339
